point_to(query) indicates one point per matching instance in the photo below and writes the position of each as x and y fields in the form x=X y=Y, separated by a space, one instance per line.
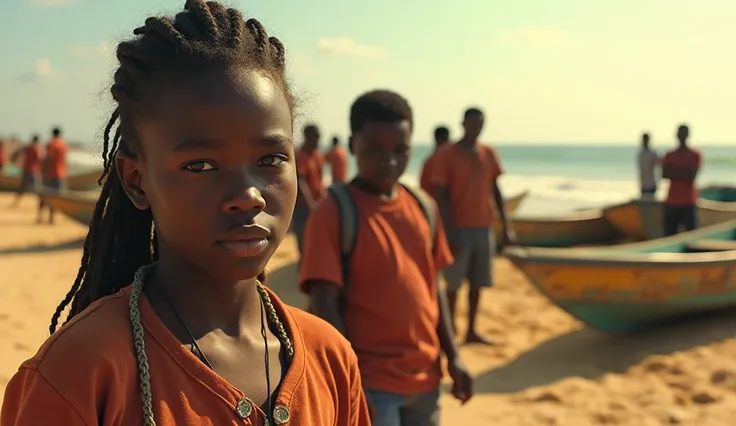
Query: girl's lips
x=245 y=248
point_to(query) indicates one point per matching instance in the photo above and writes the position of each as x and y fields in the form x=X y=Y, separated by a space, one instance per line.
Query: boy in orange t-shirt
x=465 y=178
x=53 y=169
x=441 y=139
x=393 y=312
x=31 y=159
x=338 y=159
x=681 y=167
x=309 y=164
x=172 y=324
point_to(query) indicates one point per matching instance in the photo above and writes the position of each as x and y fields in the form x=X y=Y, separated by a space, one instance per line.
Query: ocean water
x=559 y=178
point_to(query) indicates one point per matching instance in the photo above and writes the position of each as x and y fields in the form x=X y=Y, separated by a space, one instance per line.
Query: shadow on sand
x=589 y=354
x=45 y=248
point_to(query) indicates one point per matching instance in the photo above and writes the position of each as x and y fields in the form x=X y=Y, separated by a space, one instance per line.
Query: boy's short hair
x=441 y=131
x=472 y=111
x=311 y=128
x=382 y=106
x=56 y=132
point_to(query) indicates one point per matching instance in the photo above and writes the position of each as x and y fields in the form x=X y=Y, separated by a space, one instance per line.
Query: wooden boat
x=641 y=220
x=626 y=287
x=513 y=203
x=78 y=205
x=80 y=182
x=581 y=227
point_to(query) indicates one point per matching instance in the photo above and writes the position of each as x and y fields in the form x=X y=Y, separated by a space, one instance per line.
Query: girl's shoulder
x=95 y=340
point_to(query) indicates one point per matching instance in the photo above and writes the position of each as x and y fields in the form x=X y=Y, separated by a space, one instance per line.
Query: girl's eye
x=199 y=166
x=274 y=160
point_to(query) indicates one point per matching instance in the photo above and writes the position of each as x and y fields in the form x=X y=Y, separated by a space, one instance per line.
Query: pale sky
x=543 y=70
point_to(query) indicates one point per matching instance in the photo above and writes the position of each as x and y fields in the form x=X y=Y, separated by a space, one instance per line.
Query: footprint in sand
x=4 y=317
x=19 y=346
x=17 y=325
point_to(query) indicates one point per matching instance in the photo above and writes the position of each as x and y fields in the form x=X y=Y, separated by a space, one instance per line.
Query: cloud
x=91 y=50
x=53 y=3
x=533 y=37
x=348 y=46
x=42 y=71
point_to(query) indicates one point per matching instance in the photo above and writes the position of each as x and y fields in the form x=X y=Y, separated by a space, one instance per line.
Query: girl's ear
x=129 y=172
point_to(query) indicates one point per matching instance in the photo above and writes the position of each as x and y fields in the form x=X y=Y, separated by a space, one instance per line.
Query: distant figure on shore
x=465 y=179
x=338 y=159
x=30 y=158
x=648 y=162
x=309 y=163
x=53 y=170
x=681 y=167
x=441 y=139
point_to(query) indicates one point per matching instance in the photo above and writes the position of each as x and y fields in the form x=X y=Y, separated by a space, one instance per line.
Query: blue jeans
x=390 y=409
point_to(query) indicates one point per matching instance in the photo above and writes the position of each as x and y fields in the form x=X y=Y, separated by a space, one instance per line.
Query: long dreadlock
x=121 y=238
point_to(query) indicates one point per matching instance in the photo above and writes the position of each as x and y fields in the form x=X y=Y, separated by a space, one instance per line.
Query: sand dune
x=545 y=370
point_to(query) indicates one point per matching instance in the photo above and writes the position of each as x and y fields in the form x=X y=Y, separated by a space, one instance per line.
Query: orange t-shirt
x=2 y=155
x=392 y=312
x=309 y=167
x=682 y=193
x=338 y=159
x=56 y=159
x=470 y=179
x=86 y=374
x=31 y=159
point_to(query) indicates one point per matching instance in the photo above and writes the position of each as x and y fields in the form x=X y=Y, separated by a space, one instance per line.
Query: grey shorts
x=27 y=182
x=390 y=409
x=473 y=258
x=54 y=184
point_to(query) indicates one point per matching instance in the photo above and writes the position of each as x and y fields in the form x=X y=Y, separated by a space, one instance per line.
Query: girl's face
x=217 y=171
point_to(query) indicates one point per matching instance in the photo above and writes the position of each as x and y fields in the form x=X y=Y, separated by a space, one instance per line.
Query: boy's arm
x=325 y=299
x=442 y=194
x=500 y=205
x=445 y=330
x=306 y=193
x=321 y=267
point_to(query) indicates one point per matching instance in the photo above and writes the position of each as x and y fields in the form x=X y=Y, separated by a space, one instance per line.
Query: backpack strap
x=427 y=204
x=348 y=230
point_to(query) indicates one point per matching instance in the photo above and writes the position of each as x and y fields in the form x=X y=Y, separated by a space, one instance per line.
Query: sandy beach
x=546 y=369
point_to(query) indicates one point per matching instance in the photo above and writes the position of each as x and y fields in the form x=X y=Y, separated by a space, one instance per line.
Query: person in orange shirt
x=31 y=158
x=441 y=139
x=465 y=177
x=393 y=312
x=171 y=324
x=681 y=167
x=309 y=164
x=53 y=170
x=338 y=159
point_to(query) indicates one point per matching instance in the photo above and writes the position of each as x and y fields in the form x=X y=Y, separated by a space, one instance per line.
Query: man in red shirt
x=30 y=164
x=309 y=163
x=681 y=167
x=441 y=139
x=54 y=169
x=338 y=159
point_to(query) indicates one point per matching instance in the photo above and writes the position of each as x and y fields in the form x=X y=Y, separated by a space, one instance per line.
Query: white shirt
x=648 y=161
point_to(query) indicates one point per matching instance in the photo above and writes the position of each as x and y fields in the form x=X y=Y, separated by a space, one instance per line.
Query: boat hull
x=77 y=206
x=575 y=229
x=627 y=287
x=641 y=220
x=81 y=182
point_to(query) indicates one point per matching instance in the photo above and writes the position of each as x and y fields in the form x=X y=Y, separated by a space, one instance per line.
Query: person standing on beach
x=648 y=161
x=53 y=170
x=383 y=294
x=681 y=166
x=309 y=164
x=171 y=322
x=338 y=159
x=465 y=177
x=31 y=158
x=441 y=139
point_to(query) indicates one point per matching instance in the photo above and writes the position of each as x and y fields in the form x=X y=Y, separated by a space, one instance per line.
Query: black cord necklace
x=200 y=354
